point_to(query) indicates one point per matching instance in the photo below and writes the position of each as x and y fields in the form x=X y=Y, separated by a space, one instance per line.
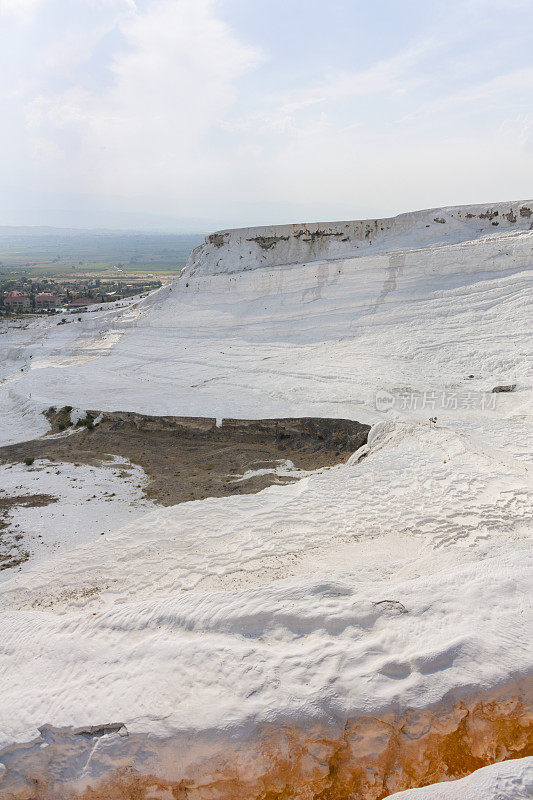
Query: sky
x=192 y=115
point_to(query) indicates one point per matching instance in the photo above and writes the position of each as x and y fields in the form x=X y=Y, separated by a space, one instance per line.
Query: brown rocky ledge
x=191 y=458
x=368 y=758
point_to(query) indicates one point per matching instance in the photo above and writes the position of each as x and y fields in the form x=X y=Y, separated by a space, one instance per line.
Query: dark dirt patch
x=509 y=388
x=26 y=501
x=190 y=458
x=489 y=214
x=12 y=552
x=217 y=239
x=266 y=242
x=312 y=236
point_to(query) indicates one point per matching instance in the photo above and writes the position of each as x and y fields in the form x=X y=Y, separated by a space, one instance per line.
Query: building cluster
x=21 y=302
x=33 y=297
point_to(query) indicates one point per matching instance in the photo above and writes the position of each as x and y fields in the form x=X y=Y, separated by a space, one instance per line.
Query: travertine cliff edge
x=275 y=245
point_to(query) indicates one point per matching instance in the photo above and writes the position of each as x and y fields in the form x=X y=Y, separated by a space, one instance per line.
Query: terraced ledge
x=191 y=458
x=367 y=758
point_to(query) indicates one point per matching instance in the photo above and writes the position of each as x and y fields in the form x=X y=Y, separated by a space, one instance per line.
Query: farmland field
x=55 y=252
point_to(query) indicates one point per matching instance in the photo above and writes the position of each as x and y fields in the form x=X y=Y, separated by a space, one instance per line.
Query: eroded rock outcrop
x=276 y=245
x=368 y=758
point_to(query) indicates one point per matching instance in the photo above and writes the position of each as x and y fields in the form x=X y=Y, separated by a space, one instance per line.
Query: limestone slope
x=361 y=632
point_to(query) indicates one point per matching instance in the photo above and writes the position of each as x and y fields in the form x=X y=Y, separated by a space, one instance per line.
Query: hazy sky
x=195 y=114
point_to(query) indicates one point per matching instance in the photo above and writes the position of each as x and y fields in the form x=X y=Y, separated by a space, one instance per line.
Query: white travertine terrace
x=370 y=620
x=276 y=245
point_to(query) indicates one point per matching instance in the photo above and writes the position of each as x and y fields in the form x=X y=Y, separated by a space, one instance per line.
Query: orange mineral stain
x=370 y=759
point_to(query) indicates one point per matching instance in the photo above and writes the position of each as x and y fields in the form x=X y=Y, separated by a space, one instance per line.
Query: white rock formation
x=360 y=632
x=510 y=780
x=275 y=245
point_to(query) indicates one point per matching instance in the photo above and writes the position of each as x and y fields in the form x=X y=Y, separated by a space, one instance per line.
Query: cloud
x=395 y=74
x=159 y=105
x=520 y=80
x=171 y=81
x=23 y=10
